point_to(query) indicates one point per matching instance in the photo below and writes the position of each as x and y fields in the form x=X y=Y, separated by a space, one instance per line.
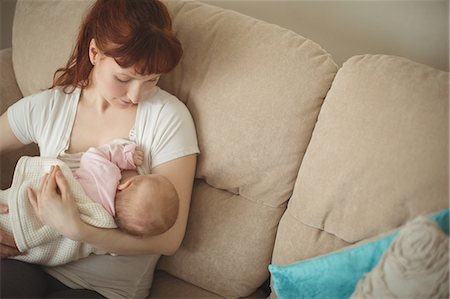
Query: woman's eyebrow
x=133 y=76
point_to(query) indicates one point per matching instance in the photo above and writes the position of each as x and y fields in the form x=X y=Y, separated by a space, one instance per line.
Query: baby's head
x=146 y=205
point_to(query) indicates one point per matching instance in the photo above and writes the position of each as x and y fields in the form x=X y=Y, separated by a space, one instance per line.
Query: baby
x=143 y=205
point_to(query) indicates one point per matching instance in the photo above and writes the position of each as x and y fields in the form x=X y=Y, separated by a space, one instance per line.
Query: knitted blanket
x=41 y=243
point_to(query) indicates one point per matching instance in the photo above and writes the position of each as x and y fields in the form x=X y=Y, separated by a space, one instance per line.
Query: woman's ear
x=94 y=53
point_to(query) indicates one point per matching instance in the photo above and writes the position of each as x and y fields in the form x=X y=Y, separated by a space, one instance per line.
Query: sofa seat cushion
x=226 y=246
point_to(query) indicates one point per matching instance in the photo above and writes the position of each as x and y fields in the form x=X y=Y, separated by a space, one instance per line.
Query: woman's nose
x=135 y=93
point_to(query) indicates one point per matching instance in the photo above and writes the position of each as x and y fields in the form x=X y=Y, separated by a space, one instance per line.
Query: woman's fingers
x=8 y=246
x=61 y=183
x=47 y=186
x=6 y=251
x=7 y=239
x=43 y=181
x=50 y=184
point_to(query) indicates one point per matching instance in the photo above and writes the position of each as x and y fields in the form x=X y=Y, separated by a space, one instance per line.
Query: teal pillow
x=335 y=275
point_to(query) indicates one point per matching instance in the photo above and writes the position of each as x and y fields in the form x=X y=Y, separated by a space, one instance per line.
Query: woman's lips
x=125 y=102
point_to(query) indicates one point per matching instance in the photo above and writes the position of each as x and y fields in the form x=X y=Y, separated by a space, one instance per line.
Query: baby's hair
x=150 y=207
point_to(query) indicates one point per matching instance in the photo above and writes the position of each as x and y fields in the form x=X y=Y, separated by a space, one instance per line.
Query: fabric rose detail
x=416 y=265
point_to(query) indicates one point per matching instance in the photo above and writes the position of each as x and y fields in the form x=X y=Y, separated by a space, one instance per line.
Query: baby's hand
x=138 y=157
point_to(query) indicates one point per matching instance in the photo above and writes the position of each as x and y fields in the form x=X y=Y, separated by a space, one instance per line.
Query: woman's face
x=120 y=87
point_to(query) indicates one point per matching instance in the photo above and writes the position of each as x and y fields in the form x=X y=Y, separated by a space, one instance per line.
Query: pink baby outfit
x=100 y=171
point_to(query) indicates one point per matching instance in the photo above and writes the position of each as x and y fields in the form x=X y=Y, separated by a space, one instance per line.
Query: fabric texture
x=226 y=88
x=271 y=85
x=336 y=275
x=101 y=170
x=10 y=93
x=131 y=276
x=42 y=244
x=377 y=147
x=111 y=276
x=414 y=266
x=378 y=157
x=164 y=130
x=33 y=30
x=8 y=89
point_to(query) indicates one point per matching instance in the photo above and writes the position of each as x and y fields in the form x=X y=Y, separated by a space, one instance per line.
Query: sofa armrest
x=9 y=90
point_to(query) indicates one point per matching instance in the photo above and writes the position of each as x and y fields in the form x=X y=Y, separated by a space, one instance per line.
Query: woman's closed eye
x=122 y=80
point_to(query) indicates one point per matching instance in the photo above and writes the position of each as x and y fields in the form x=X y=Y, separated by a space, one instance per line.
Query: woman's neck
x=90 y=97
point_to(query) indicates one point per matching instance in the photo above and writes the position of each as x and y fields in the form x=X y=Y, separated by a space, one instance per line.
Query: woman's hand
x=8 y=246
x=55 y=206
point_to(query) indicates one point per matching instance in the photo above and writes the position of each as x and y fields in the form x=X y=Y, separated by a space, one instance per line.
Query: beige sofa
x=298 y=157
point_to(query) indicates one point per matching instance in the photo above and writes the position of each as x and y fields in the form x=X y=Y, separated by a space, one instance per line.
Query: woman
x=106 y=91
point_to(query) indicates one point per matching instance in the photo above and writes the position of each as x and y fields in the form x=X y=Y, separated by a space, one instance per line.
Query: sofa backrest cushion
x=44 y=33
x=378 y=156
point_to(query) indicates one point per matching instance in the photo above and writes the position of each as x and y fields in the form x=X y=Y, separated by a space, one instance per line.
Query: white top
x=164 y=129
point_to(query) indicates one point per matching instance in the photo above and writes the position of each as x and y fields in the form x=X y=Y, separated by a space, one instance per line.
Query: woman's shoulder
x=160 y=97
x=51 y=95
x=164 y=101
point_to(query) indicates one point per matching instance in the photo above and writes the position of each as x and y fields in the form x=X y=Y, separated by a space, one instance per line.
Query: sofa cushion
x=378 y=156
x=254 y=90
x=414 y=266
x=9 y=90
x=419 y=239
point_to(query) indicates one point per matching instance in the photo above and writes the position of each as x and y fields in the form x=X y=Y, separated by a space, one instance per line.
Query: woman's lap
x=23 y=280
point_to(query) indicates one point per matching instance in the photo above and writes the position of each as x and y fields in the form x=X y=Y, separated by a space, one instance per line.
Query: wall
x=416 y=29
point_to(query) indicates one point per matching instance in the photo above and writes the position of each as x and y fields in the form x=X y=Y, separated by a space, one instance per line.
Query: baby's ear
x=124 y=185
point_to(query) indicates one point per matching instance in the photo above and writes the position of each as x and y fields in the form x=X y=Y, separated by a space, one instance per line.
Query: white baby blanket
x=42 y=244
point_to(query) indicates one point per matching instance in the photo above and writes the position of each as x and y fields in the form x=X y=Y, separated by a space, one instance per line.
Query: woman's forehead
x=132 y=73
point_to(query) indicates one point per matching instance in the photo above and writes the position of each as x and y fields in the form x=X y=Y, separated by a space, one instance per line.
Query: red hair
x=134 y=32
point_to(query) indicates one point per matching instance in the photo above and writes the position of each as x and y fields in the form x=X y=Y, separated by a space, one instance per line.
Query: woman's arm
x=48 y=202
x=8 y=142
